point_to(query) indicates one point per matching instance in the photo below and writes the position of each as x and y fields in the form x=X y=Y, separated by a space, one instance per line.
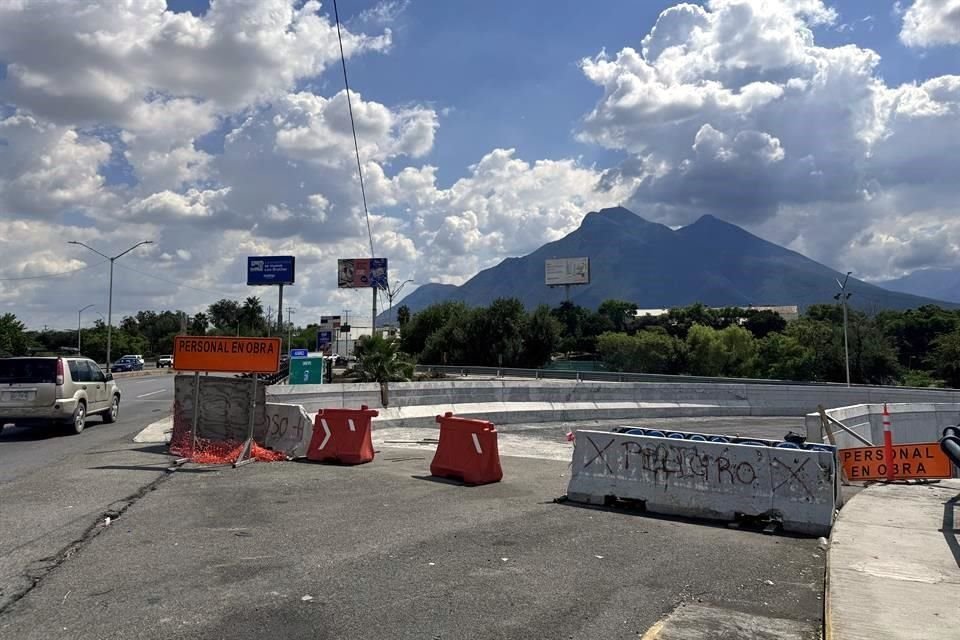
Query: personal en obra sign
x=914 y=460
x=226 y=355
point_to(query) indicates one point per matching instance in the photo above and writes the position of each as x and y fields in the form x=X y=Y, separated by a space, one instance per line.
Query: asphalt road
x=54 y=486
x=299 y=550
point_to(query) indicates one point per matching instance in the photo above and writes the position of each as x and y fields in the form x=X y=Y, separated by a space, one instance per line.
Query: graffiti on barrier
x=687 y=464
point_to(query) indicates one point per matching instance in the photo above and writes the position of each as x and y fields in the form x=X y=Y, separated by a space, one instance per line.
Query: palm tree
x=251 y=314
x=380 y=360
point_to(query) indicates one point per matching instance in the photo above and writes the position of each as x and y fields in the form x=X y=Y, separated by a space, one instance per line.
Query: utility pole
x=78 y=325
x=110 y=294
x=269 y=320
x=346 y=321
x=843 y=296
x=290 y=312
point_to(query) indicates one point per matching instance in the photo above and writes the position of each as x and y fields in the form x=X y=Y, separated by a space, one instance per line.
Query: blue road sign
x=299 y=353
x=266 y=270
x=324 y=337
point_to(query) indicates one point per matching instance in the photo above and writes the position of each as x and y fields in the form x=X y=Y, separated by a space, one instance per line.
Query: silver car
x=60 y=391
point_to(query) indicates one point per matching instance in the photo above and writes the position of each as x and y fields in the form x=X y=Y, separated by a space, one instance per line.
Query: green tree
x=763 y=323
x=541 y=337
x=784 y=357
x=13 y=336
x=619 y=312
x=403 y=315
x=678 y=322
x=497 y=332
x=379 y=359
x=825 y=340
x=707 y=355
x=199 y=324
x=946 y=358
x=224 y=315
x=646 y=352
x=873 y=359
x=427 y=322
x=572 y=318
x=914 y=331
x=252 y=321
x=740 y=351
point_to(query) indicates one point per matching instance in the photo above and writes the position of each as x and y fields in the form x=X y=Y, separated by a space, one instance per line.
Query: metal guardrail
x=616 y=376
x=272 y=378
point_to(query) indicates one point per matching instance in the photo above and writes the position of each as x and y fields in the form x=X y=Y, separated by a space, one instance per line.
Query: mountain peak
x=620 y=215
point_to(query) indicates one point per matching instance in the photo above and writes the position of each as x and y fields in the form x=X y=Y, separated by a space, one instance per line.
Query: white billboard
x=561 y=271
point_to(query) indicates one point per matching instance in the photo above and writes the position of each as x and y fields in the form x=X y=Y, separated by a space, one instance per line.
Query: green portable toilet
x=306 y=370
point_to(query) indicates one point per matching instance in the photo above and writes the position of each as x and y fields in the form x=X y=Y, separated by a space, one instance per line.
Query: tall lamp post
x=843 y=296
x=110 y=294
x=79 y=311
x=393 y=292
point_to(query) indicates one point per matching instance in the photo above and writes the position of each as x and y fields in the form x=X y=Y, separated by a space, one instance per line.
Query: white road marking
x=152 y=393
x=326 y=432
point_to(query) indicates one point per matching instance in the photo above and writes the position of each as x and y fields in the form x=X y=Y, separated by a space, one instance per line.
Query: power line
x=53 y=275
x=180 y=284
x=353 y=127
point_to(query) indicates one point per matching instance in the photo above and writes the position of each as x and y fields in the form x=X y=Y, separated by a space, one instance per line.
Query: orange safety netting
x=207 y=451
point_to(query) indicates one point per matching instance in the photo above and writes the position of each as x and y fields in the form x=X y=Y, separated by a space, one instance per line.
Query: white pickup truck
x=164 y=361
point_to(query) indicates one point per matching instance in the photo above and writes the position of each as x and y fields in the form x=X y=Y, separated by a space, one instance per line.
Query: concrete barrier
x=541 y=397
x=287 y=428
x=224 y=407
x=703 y=479
x=909 y=422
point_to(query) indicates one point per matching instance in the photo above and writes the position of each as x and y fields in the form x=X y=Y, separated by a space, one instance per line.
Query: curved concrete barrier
x=540 y=400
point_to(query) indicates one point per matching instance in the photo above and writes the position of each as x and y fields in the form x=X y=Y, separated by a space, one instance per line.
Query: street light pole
x=79 y=311
x=290 y=312
x=843 y=296
x=110 y=292
x=393 y=292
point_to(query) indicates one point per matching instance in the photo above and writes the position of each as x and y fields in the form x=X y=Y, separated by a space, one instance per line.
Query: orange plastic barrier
x=467 y=451
x=342 y=435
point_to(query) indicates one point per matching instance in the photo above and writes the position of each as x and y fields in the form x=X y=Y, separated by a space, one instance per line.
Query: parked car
x=56 y=391
x=126 y=363
x=164 y=361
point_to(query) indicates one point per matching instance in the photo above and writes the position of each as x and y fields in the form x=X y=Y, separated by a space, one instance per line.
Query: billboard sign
x=265 y=270
x=299 y=353
x=331 y=322
x=226 y=355
x=563 y=271
x=324 y=337
x=358 y=273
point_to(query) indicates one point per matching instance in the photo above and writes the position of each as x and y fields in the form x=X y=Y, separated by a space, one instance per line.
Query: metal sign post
x=246 y=456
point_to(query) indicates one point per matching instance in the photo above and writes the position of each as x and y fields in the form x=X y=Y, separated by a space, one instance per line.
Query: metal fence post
x=246 y=456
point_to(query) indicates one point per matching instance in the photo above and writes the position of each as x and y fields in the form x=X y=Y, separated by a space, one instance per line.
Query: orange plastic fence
x=207 y=451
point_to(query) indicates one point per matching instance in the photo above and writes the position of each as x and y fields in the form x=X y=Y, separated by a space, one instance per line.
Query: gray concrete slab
x=298 y=550
x=894 y=568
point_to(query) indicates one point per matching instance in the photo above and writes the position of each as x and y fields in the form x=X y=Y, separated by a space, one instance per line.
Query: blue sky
x=508 y=71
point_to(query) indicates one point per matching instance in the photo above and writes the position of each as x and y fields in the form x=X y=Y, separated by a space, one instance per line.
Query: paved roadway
x=52 y=486
x=381 y=550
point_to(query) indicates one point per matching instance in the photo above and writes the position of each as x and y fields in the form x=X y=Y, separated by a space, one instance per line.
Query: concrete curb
x=890 y=571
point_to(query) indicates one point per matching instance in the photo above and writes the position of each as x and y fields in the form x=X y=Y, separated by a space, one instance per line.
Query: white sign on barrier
x=719 y=480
